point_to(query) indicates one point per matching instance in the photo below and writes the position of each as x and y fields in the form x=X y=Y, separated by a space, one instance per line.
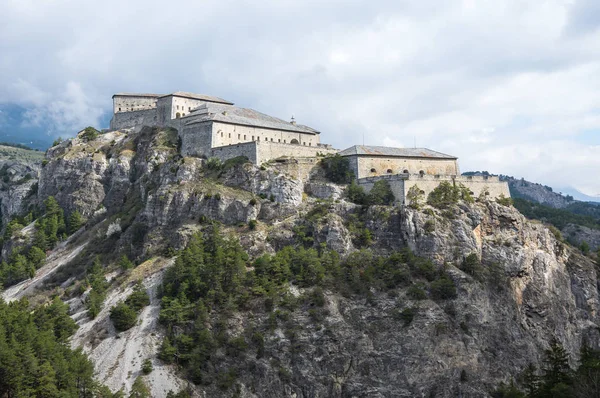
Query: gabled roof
x=385 y=151
x=201 y=97
x=243 y=116
x=137 y=95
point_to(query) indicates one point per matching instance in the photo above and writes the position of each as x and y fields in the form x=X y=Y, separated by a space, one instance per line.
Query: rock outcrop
x=140 y=195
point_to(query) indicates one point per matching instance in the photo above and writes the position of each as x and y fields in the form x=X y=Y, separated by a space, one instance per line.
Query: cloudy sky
x=510 y=86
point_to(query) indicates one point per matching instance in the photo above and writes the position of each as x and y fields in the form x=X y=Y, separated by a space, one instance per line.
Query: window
x=229 y=135
x=119 y=109
x=244 y=136
x=177 y=115
x=279 y=140
x=258 y=138
x=271 y=139
x=373 y=170
x=221 y=134
x=177 y=107
x=183 y=114
x=284 y=141
x=310 y=144
x=294 y=141
x=422 y=173
x=238 y=136
x=252 y=138
x=389 y=171
x=405 y=171
x=189 y=108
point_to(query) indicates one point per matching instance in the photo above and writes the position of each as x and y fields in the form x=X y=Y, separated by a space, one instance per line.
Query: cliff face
x=138 y=191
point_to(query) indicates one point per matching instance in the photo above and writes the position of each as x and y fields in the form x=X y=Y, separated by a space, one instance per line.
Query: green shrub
x=415 y=197
x=337 y=169
x=408 y=314
x=356 y=194
x=443 y=288
x=444 y=195
x=429 y=226
x=125 y=263
x=213 y=164
x=252 y=202
x=252 y=224
x=147 y=367
x=123 y=317
x=381 y=194
x=471 y=264
x=504 y=201
x=89 y=134
x=417 y=292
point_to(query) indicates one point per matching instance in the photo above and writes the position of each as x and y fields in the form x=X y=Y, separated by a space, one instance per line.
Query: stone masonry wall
x=227 y=134
x=390 y=165
x=401 y=183
x=396 y=184
x=247 y=149
x=196 y=139
x=132 y=103
x=272 y=150
x=137 y=119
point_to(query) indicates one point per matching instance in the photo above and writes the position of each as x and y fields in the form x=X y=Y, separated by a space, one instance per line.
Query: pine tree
x=47 y=381
x=139 y=389
x=75 y=221
x=125 y=263
x=556 y=370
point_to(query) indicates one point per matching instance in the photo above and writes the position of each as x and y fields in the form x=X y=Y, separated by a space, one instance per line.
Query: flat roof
x=385 y=151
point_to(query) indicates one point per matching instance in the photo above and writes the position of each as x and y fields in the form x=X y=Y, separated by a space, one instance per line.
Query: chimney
x=293 y=121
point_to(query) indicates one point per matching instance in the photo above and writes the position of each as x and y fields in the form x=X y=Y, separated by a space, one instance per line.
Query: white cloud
x=507 y=86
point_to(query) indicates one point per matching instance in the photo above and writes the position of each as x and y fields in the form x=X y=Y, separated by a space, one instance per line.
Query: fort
x=212 y=127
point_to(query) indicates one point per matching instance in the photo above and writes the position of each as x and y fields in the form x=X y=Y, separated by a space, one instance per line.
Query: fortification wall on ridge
x=136 y=119
x=370 y=166
x=396 y=184
x=273 y=150
x=196 y=139
x=476 y=184
x=133 y=103
x=400 y=184
x=247 y=149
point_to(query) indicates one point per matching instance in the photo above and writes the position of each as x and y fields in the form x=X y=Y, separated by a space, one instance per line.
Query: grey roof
x=200 y=97
x=137 y=95
x=243 y=116
x=385 y=151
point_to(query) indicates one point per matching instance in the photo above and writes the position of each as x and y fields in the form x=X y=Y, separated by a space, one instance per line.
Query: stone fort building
x=213 y=127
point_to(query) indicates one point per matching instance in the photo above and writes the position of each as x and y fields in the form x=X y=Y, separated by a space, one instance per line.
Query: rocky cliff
x=143 y=199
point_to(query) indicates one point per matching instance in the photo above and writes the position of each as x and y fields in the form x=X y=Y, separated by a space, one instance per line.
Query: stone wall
x=273 y=150
x=137 y=119
x=396 y=184
x=364 y=166
x=132 y=103
x=247 y=149
x=477 y=184
x=228 y=134
x=196 y=139
x=491 y=187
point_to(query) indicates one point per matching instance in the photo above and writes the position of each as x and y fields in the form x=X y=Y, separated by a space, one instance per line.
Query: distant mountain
x=12 y=129
x=580 y=195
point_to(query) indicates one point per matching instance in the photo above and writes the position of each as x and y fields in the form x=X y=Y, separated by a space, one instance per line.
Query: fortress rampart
x=400 y=184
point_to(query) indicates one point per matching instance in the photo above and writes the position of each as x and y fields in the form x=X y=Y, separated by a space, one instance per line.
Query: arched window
x=389 y=171
x=294 y=141
x=405 y=171
x=221 y=134
x=373 y=170
x=422 y=173
x=178 y=115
